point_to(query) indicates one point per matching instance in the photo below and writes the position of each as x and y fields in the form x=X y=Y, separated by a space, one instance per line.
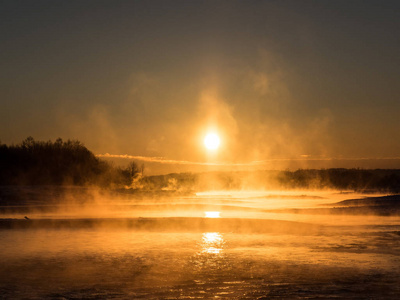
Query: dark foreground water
x=199 y=258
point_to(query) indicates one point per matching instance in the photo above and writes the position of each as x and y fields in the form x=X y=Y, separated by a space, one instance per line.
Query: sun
x=212 y=141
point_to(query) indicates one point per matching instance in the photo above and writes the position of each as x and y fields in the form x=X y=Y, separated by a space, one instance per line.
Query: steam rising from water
x=221 y=243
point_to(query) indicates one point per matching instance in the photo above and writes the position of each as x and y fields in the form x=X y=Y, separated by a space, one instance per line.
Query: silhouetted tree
x=46 y=163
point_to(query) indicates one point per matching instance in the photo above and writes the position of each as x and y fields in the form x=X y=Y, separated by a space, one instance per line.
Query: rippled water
x=346 y=258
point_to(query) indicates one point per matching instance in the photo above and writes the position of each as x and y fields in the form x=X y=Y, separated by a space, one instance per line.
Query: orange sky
x=285 y=84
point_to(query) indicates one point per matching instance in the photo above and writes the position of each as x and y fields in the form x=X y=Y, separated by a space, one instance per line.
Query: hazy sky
x=280 y=81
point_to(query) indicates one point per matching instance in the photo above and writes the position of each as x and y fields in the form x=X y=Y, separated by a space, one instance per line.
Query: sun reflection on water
x=212 y=242
x=210 y=259
x=212 y=214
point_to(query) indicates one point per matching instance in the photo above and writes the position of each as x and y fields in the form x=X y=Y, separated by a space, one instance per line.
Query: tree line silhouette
x=384 y=180
x=360 y=180
x=56 y=163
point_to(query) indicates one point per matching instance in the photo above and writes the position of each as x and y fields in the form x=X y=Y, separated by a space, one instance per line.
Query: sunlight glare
x=212 y=242
x=212 y=141
x=212 y=214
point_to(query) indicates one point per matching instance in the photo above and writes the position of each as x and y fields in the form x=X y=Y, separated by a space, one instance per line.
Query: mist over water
x=199 y=150
x=224 y=244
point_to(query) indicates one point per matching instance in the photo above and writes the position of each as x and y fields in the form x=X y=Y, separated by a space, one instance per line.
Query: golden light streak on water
x=212 y=242
x=212 y=214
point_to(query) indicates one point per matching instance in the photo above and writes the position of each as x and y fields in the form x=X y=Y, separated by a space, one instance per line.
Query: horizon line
x=163 y=160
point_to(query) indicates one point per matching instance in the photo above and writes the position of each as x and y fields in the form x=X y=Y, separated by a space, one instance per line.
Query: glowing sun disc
x=211 y=141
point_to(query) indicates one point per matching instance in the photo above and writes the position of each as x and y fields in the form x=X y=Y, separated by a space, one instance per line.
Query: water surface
x=247 y=254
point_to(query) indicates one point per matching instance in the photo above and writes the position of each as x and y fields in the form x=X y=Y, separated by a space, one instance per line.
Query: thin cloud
x=156 y=159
